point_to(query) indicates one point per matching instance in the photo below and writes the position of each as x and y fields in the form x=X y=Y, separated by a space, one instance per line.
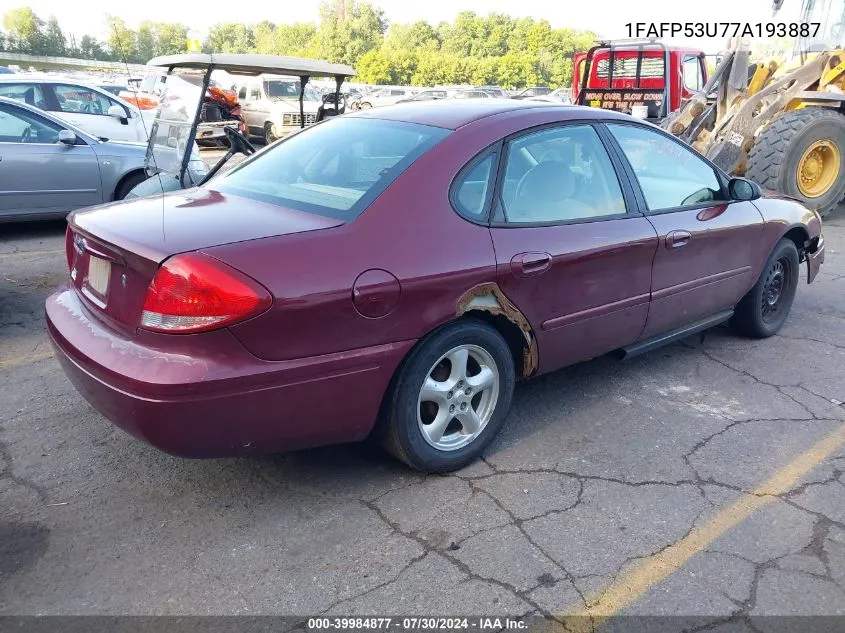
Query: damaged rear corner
x=488 y=298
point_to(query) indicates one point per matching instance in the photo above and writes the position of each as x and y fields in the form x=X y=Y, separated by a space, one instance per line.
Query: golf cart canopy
x=243 y=64
x=172 y=149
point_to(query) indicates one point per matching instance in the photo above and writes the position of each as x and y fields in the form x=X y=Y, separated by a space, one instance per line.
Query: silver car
x=49 y=167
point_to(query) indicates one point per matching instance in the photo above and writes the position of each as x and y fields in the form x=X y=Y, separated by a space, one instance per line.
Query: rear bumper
x=206 y=396
x=815 y=259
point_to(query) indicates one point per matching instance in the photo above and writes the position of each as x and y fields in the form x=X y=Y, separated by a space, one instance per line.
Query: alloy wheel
x=458 y=397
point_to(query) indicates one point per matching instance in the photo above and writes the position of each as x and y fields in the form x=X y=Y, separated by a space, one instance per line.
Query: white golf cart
x=173 y=160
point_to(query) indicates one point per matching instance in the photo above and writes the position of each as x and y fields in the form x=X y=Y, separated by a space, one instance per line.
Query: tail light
x=195 y=293
x=69 y=247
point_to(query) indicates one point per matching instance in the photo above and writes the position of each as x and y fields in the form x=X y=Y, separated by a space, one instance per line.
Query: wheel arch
x=798 y=234
x=125 y=178
x=486 y=302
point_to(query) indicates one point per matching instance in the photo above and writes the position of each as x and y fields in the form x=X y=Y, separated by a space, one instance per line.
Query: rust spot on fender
x=488 y=297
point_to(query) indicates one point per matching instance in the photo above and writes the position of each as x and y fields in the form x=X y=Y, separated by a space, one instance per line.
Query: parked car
x=438 y=93
x=427 y=95
x=472 y=94
x=270 y=105
x=49 y=167
x=382 y=97
x=561 y=96
x=114 y=89
x=396 y=271
x=496 y=91
x=88 y=107
x=535 y=91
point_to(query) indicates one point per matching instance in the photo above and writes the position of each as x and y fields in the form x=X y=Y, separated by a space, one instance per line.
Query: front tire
x=800 y=154
x=450 y=398
x=763 y=311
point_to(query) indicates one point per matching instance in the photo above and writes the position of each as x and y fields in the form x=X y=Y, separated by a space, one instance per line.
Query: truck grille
x=293 y=118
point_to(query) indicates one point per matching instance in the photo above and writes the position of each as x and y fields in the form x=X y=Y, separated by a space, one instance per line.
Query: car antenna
x=122 y=53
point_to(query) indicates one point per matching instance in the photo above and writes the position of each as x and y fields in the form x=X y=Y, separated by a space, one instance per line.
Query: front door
x=706 y=258
x=89 y=110
x=568 y=253
x=39 y=174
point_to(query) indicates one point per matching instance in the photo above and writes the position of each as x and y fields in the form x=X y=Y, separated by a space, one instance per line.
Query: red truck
x=620 y=74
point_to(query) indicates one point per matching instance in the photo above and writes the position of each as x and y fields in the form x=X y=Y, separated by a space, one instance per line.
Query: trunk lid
x=115 y=250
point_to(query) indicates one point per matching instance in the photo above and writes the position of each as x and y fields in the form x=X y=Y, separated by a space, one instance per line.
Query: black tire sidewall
x=269 y=137
x=402 y=418
x=823 y=128
x=751 y=312
x=128 y=184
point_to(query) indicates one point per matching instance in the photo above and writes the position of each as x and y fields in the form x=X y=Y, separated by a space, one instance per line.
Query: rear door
x=706 y=261
x=568 y=252
x=39 y=174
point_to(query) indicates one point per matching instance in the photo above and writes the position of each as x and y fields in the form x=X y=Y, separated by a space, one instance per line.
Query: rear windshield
x=335 y=168
x=626 y=67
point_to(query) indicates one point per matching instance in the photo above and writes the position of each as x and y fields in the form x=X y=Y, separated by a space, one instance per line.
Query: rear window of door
x=670 y=175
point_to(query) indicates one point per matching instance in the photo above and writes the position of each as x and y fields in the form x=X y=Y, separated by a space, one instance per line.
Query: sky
x=606 y=17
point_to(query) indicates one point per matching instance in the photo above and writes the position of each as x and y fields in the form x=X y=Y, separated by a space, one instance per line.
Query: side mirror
x=743 y=189
x=117 y=112
x=67 y=137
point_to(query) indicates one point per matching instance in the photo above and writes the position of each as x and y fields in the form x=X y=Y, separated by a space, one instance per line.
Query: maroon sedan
x=395 y=271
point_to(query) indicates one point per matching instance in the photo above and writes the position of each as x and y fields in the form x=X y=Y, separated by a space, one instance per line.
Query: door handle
x=677 y=239
x=527 y=264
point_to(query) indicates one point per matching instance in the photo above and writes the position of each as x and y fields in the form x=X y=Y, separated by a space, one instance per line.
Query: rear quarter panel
x=410 y=231
x=116 y=162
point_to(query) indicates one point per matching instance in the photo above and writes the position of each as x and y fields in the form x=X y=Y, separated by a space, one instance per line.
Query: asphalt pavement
x=703 y=479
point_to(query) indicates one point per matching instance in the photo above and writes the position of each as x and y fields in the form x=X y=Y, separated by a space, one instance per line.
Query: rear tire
x=128 y=184
x=774 y=160
x=763 y=311
x=365 y=105
x=449 y=398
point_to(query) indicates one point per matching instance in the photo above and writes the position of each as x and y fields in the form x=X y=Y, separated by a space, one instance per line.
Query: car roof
x=49 y=117
x=246 y=64
x=454 y=113
x=18 y=77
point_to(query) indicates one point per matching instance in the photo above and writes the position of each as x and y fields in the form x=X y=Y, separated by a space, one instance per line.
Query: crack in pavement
x=810 y=339
x=519 y=524
x=444 y=553
x=748 y=374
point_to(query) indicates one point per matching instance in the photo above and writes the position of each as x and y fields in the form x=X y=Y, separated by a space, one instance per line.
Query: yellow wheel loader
x=781 y=124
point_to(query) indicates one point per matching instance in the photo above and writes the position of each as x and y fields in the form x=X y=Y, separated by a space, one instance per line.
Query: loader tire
x=809 y=137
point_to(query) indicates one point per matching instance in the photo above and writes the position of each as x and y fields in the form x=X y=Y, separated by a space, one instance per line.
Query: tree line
x=471 y=49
